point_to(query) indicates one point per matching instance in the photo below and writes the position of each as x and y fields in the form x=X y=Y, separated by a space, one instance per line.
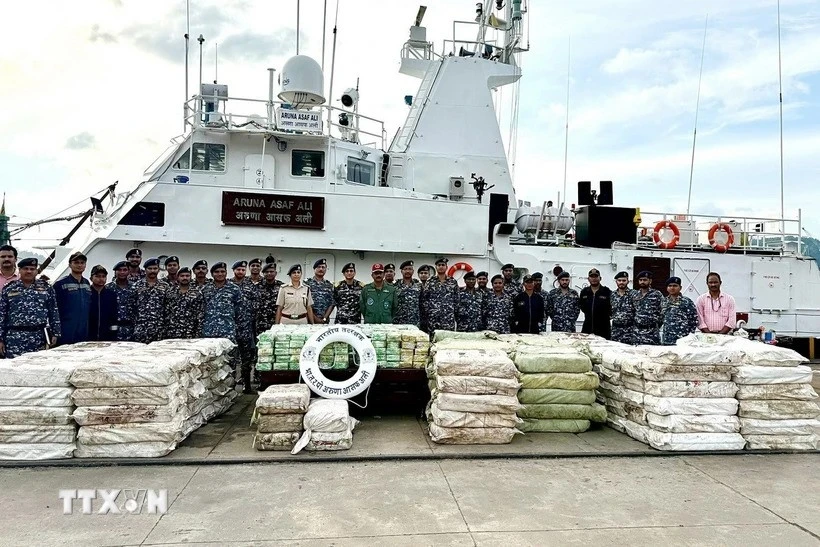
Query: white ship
x=291 y=176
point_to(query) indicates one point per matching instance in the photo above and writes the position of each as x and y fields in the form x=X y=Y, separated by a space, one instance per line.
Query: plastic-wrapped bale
x=778 y=405
x=675 y=398
x=474 y=396
x=558 y=390
x=279 y=416
x=264 y=352
x=36 y=406
x=328 y=426
x=161 y=387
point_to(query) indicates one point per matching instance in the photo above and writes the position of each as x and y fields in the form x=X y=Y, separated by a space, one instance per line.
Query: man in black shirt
x=597 y=306
x=528 y=309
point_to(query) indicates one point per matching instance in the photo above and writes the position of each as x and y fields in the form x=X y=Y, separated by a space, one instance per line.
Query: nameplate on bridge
x=298 y=120
x=273 y=210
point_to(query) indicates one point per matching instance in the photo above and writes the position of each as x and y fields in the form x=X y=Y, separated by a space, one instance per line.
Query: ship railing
x=480 y=47
x=422 y=51
x=260 y=115
x=750 y=234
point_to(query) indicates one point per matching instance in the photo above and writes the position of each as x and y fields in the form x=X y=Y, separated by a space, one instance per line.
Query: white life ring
x=331 y=389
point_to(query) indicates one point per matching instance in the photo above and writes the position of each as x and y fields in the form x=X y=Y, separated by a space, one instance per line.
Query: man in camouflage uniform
x=470 y=303
x=346 y=295
x=245 y=328
x=27 y=307
x=150 y=295
x=511 y=288
x=268 y=294
x=134 y=258
x=563 y=305
x=390 y=274
x=409 y=295
x=171 y=270
x=439 y=299
x=498 y=308
x=125 y=301
x=680 y=316
x=200 y=269
x=482 y=278
x=255 y=267
x=223 y=309
x=623 y=310
x=424 y=272
x=184 y=308
x=648 y=304
x=322 y=291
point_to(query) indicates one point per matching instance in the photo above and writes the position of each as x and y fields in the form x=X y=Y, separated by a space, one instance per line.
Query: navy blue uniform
x=528 y=313
x=25 y=311
x=103 y=316
x=74 y=303
x=597 y=308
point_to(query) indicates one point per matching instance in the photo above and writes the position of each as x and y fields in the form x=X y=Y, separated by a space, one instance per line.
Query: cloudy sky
x=92 y=91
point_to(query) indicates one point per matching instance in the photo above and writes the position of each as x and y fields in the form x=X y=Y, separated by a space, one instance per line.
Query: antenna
x=187 y=36
x=201 y=41
x=332 y=70
x=298 y=9
x=216 y=61
x=780 y=86
x=566 y=127
x=697 y=108
x=324 y=35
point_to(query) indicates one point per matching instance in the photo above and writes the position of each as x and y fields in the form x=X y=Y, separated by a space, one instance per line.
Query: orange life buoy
x=721 y=247
x=463 y=266
x=657 y=237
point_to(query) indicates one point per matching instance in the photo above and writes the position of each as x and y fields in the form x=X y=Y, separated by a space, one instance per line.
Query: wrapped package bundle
x=279 y=416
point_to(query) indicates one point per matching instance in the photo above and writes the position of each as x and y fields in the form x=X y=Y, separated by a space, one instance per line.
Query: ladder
x=402 y=142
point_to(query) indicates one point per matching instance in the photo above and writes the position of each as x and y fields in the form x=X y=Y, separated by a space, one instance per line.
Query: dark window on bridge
x=145 y=213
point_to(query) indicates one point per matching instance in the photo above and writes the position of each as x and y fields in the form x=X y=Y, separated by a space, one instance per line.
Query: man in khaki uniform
x=294 y=303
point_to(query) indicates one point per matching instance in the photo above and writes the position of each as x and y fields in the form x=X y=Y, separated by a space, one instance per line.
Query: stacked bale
x=474 y=398
x=558 y=390
x=328 y=426
x=279 y=415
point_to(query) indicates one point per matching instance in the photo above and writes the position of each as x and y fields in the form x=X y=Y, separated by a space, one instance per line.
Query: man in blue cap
x=184 y=308
x=596 y=304
x=529 y=309
x=124 y=291
x=255 y=268
x=347 y=295
x=134 y=258
x=648 y=304
x=563 y=305
x=245 y=328
x=73 y=294
x=408 y=311
x=268 y=295
x=102 y=322
x=149 y=299
x=322 y=291
x=223 y=302
x=469 y=316
x=28 y=306
x=622 y=302
x=439 y=299
x=511 y=288
x=171 y=270
x=680 y=316
x=200 y=271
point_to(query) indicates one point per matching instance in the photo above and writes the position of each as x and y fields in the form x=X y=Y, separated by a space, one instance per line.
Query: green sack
x=531 y=362
x=531 y=425
x=593 y=412
x=556 y=396
x=560 y=380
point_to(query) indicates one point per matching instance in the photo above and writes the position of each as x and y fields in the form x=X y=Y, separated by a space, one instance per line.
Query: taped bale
x=797 y=392
x=279 y=423
x=529 y=360
x=488 y=404
x=768 y=410
x=441 y=335
x=532 y=425
x=485 y=363
x=680 y=423
x=755 y=426
x=284 y=399
x=477 y=385
x=783 y=442
x=453 y=418
x=560 y=380
x=556 y=396
x=697 y=406
x=472 y=435
x=592 y=412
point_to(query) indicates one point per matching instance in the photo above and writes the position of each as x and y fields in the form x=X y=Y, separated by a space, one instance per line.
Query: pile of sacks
x=399 y=346
x=279 y=415
x=474 y=396
x=328 y=426
x=558 y=390
x=142 y=402
x=673 y=398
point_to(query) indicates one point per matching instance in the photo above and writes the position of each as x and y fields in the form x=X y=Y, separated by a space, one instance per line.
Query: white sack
x=772 y=410
x=748 y=374
x=134 y=395
x=37 y=372
x=168 y=432
x=695 y=441
x=754 y=426
x=275 y=441
x=693 y=388
x=125 y=450
x=31 y=452
x=783 y=442
x=682 y=423
x=279 y=423
x=681 y=405
x=284 y=399
x=692 y=355
x=328 y=416
x=488 y=404
x=798 y=392
x=477 y=385
x=31 y=434
x=341 y=440
x=132 y=369
x=489 y=363
x=661 y=372
x=35 y=396
x=453 y=418
x=472 y=435
x=35 y=415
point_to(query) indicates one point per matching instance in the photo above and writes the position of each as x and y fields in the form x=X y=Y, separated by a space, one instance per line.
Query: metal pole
x=297 y=25
x=697 y=108
x=780 y=86
x=270 y=96
x=566 y=127
x=332 y=69
x=187 y=36
x=324 y=35
x=216 y=64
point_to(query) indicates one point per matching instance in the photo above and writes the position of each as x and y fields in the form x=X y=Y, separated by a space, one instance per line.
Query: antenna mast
x=332 y=70
x=216 y=61
x=780 y=86
x=566 y=126
x=697 y=108
x=298 y=3
x=187 y=36
x=324 y=35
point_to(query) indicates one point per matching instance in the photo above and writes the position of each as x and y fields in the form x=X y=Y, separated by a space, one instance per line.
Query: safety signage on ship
x=298 y=120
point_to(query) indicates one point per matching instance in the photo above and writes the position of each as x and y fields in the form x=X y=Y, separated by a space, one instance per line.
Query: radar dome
x=302 y=82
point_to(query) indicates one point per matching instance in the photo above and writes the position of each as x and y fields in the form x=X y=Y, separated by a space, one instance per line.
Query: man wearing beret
x=223 y=301
x=200 y=271
x=680 y=316
x=538 y=278
x=648 y=304
x=268 y=295
x=563 y=305
x=149 y=298
x=596 y=305
x=245 y=328
x=73 y=294
x=379 y=300
x=408 y=311
x=134 y=258
x=510 y=286
x=124 y=290
x=322 y=291
x=482 y=280
x=184 y=308
x=390 y=274
x=528 y=309
x=102 y=322
x=498 y=308
x=439 y=299
x=347 y=295
x=171 y=270
x=469 y=307
x=28 y=306
x=255 y=267
x=623 y=310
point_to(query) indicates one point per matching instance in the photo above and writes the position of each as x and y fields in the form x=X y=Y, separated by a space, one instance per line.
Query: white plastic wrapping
x=680 y=388
x=772 y=410
x=284 y=399
x=749 y=374
x=754 y=426
x=36 y=451
x=166 y=432
x=472 y=435
x=697 y=406
x=35 y=415
x=695 y=441
x=799 y=392
x=124 y=450
x=453 y=418
x=681 y=423
x=488 y=404
x=38 y=434
x=477 y=385
x=340 y=440
x=35 y=396
x=134 y=395
x=783 y=442
x=673 y=372
x=37 y=372
x=487 y=363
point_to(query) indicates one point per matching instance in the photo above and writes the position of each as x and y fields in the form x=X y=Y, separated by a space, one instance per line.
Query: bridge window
x=207 y=157
x=308 y=163
x=145 y=213
x=360 y=171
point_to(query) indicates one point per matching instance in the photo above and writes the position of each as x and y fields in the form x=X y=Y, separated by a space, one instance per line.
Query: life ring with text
x=656 y=235
x=459 y=266
x=331 y=389
x=730 y=237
